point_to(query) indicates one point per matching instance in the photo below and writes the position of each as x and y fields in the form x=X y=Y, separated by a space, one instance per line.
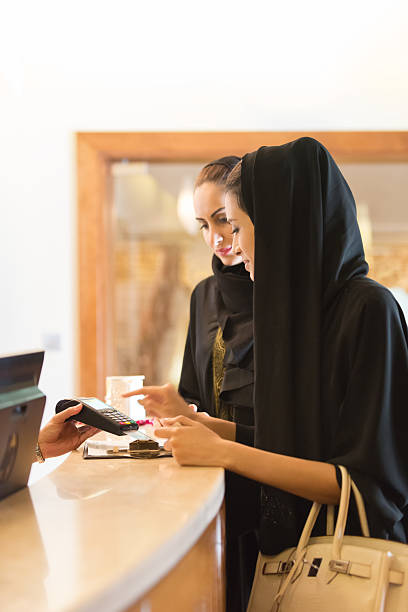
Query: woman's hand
x=58 y=437
x=192 y=443
x=162 y=402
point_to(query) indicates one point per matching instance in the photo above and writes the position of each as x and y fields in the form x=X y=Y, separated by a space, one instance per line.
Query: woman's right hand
x=163 y=402
x=60 y=436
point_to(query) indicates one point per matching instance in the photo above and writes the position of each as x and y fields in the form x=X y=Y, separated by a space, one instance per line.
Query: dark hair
x=217 y=171
x=233 y=185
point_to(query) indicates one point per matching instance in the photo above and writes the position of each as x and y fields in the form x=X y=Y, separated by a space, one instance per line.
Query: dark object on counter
x=144 y=449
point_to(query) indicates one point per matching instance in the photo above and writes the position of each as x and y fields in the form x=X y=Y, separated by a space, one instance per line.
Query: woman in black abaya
x=331 y=357
x=340 y=374
x=218 y=372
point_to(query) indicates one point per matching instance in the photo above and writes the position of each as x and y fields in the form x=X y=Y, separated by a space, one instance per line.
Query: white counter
x=96 y=535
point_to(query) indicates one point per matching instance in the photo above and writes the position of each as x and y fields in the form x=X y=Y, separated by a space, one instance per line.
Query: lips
x=224 y=252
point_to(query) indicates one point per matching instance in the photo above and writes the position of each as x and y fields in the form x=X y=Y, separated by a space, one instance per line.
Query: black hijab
x=307 y=245
x=310 y=289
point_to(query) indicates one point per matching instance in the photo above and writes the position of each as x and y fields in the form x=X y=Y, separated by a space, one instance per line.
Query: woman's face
x=243 y=231
x=210 y=213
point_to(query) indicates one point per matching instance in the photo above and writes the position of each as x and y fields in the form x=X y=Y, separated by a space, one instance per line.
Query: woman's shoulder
x=203 y=310
x=368 y=292
x=203 y=295
x=366 y=297
x=367 y=319
x=204 y=287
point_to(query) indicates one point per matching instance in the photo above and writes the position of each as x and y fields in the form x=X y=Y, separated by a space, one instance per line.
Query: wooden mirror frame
x=97 y=151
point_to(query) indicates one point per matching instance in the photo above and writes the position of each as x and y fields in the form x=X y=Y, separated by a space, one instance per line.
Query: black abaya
x=335 y=386
x=224 y=301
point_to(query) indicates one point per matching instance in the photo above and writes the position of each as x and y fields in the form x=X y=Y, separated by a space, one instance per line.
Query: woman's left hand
x=192 y=443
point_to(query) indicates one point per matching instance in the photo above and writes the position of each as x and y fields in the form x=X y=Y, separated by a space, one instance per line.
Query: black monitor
x=21 y=410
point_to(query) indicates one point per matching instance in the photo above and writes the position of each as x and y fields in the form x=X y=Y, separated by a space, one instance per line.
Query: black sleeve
x=371 y=438
x=244 y=434
x=188 y=385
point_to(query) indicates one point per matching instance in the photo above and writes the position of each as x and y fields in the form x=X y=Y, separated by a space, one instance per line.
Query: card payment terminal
x=98 y=414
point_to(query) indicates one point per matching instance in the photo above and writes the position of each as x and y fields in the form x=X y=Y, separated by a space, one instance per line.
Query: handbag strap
x=346 y=485
x=330 y=520
x=343 y=512
x=365 y=530
x=362 y=515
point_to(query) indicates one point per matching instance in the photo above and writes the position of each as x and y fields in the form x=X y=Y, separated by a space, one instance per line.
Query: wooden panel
x=197 y=582
x=94 y=320
x=96 y=151
x=198 y=146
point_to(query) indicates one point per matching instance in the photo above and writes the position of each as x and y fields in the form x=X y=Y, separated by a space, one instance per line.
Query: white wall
x=127 y=65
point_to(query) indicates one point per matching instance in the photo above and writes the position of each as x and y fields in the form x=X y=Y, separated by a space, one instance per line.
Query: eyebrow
x=212 y=214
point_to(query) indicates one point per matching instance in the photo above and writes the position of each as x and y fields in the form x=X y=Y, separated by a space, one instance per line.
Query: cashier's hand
x=57 y=437
x=163 y=402
x=192 y=443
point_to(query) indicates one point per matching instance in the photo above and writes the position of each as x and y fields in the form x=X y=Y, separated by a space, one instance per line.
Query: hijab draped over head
x=307 y=246
x=310 y=274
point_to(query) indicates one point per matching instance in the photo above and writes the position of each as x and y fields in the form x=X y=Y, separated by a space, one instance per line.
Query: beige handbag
x=334 y=573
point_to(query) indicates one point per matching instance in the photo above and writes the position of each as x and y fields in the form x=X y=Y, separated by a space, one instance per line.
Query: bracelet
x=38 y=454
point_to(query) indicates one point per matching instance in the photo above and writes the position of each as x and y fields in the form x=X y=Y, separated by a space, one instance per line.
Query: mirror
x=159 y=255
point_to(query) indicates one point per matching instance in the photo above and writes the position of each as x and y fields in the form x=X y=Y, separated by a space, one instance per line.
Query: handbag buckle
x=339 y=566
x=280 y=567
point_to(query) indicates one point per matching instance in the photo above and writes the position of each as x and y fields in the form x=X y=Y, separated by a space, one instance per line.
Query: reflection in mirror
x=381 y=194
x=159 y=256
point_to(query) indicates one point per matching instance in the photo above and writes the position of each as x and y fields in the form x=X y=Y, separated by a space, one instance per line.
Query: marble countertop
x=96 y=535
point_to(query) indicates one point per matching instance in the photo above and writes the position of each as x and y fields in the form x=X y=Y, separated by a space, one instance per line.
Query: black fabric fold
x=234 y=305
x=245 y=434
